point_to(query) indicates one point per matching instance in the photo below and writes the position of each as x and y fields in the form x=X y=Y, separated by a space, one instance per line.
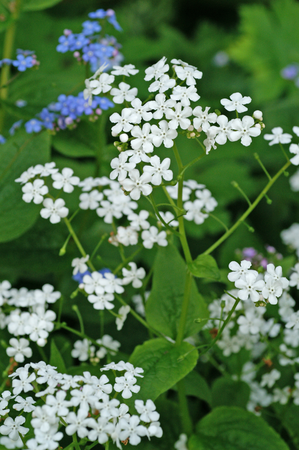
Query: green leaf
x=164 y=305
x=16 y=156
x=80 y=142
x=227 y=392
x=37 y=5
x=162 y=369
x=204 y=266
x=231 y=428
x=196 y=386
x=56 y=359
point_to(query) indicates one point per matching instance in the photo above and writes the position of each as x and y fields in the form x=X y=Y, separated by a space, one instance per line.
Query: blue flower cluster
x=88 y=46
x=65 y=112
x=25 y=60
x=79 y=276
x=291 y=72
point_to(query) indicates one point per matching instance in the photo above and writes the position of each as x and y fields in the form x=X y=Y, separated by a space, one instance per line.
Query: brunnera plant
x=247 y=339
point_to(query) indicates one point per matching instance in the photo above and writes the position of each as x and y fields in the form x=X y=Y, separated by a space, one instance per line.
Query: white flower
x=126 y=385
x=137 y=184
x=123 y=312
x=221 y=133
x=101 y=301
x=109 y=346
x=293 y=321
x=160 y=105
x=294 y=148
x=157 y=70
x=25 y=404
x=178 y=117
x=140 y=111
x=203 y=118
x=152 y=236
x=79 y=264
x=133 y=275
x=90 y=200
x=159 y=170
x=294 y=181
x=123 y=122
x=194 y=211
x=132 y=430
x=102 y=84
x=184 y=94
x=162 y=84
x=126 y=236
x=65 y=180
x=291 y=237
x=168 y=218
x=112 y=284
x=236 y=103
x=282 y=395
x=294 y=278
x=245 y=129
x=19 y=349
x=46 y=294
x=127 y=70
x=186 y=72
x=269 y=379
x=12 y=427
x=278 y=136
x=205 y=196
x=249 y=323
x=108 y=211
x=34 y=191
x=163 y=134
x=82 y=350
x=147 y=411
x=249 y=286
x=77 y=423
x=54 y=210
x=238 y=270
x=143 y=138
x=125 y=92
x=138 y=221
x=93 y=283
x=181 y=444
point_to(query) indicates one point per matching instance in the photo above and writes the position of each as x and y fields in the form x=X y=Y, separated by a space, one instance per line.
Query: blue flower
x=23 y=62
x=65 y=43
x=90 y=27
x=33 y=125
x=2 y=139
x=79 y=276
x=48 y=118
x=15 y=126
x=290 y=72
x=99 y=14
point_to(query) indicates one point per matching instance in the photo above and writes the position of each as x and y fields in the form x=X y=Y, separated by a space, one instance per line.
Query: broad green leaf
x=16 y=156
x=80 y=142
x=37 y=5
x=231 y=428
x=204 y=266
x=56 y=359
x=289 y=417
x=227 y=392
x=164 y=305
x=162 y=368
x=196 y=386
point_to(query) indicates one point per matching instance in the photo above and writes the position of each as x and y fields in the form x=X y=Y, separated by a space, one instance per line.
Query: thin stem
x=236 y=185
x=98 y=246
x=76 y=309
x=185 y=305
x=184 y=411
x=136 y=315
x=283 y=151
x=262 y=165
x=7 y=54
x=78 y=243
x=191 y=164
x=248 y=211
x=126 y=261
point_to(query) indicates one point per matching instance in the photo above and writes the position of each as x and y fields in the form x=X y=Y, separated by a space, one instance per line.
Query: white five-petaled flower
x=152 y=236
x=121 y=167
x=178 y=117
x=236 y=103
x=156 y=70
x=137 y=184
x=159 y=170
x=245 y=129
x=126 y=70
x=124 y=92
x=203 y=118
x=54 y=210
x=124 y=122
x=163 y=134
x=133 y=275
x=34 y=191
x=103 y=84
x=65 y=180
x=19 y=349
x=12 y=427
x=238 y=270
x=126 y=385
x=249 y=286
x=278 y=136
x=294 y=148
x=90 y=200
x=186 y=72
x=162 y=84
x=80 y=265
x=122 y=312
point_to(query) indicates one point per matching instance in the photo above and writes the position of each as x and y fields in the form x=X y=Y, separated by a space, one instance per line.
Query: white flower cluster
x=291 y=237
x=84 y=405
x=251 y=329
x=268 y=286
x=25 y=313
x=171 y=112
x=83 y=350
x=34 y=189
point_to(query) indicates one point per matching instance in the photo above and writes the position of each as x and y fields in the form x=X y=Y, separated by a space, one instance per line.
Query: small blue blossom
x=112 y=19
x=65 y=43
x=104 y=103
x=79 y=276
x=99 y=14
x=290 y=72
x=33 y=126
x=23 y=62
x=15 y=126
x=90 y=27
x=2 y=139
x=21 y=103
x=47 y=118
x=79 y=42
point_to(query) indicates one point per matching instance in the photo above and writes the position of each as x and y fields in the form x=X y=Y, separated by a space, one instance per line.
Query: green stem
x=98 y=246
x=7 y=53
x=248 y=211
x=185 y=305
x=126 y=261
x=136 y=315
x=76 y=309
x=78 y=243
x=262 y=165
x=184 y=411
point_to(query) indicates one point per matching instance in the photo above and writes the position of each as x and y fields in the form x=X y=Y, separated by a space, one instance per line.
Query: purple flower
x=249 y=252
x=289 y=72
